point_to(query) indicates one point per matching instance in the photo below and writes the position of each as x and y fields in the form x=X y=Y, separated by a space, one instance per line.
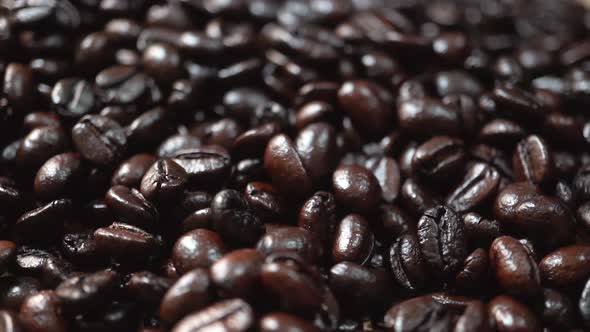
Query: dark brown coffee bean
x=99 y=140
x=439 y=158
x=44 y=223
x=230 y=315
x=427 y=117
x=315 y=111
x=73 y=98
x=266 y=202
x=19 y=87
x=197 y=248
x=419 y=314
x=279 y=321
x=474 y=272
x=318 y=215
x=501 y=132
x=356 y=188
x=39 y=145
x=131 y=171
x=147 y=288
x=234 y=219
x=10 y=195
x=480 y=230
x=511 y=315
x=87 y=292
x=478 y=187
x=59 y=176
x=206 y=166
x=364 y=102
x=42 y=312
x=566 y=266
x=416 y=197
x=317 y=149
x=252 y=143
x=163 y=182
x=359 y=288
x=353 y=240
x=285 y=167
x=149 y=129
x=533 y=161
x=125 y=241
x=131 y=207
x=7 y=254
x=163 y=62
x=514 y=266
x=189 y=293
x=388 y=174
x=289 y=238
x=395 y=222
x=407 y=264
x=518 y=104
x=442 y=240
x=558 y=310
x=237 y=274
x=14 y=290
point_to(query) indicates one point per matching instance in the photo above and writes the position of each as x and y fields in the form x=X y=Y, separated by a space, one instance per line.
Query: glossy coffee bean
x=514 y=266
x=353 y=240
x=190 y=292
x=163 y=182
x=414 y=314
x=364 y=102
x=440 y=157
x=73 y=98
x=125 y=241
x=162 y=62
x=87 y=292
x=558 y=310
x=533 y=161
x=478 y=187
x=584 y=304
x=566 y=266
x=147 y=288
x=265 y=201
x=45 y=222
x=387 y=172
x=14 y=290
x=39 y=145
x=280 y=321
x=234 y=219
x=317 y=149
x=131 y=207
x=60 y=176
x=318 y=215
x=228 y=315
x=131 y=171
x=481 y=230
x=372 y=284
x=294 y=239
x=285 y=166
x=427 y=117
x=99 y=140
x=510 y=315
x=207 y=166
x=442 y=240
x=356 y=188
x=19 y=86
x=42 y=312
x=197 y=248
x=149 y=128
x=407 y=263
x=237 y=274
x=475 y=270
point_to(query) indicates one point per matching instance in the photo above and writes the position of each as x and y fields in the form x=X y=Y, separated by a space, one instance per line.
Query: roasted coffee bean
x=81 y=248
x=42 y=312
x=207 y=167
x=190 y=292
x=19 y=86
x=501 y=132
x=442 y=240
x=87 y=292
x=60 y=176
x=252 y=143
x=427 y=117
x=395 y=222
x=280 y=321
x=131 y=207
x=532 y=161
x=285 y=166
x=45 y=222
x=416 y=197
x=125 y=241
x=10 y=195
x=147 y=288
x=407 y=263
x=123 y=85
x=356 y=188
x=507 y=314
x=197 y=248
x=39 y=145
x=318 y=150
x=163 y=62
x=440 y=158
x=480 y=230
x=234 y=219
x=163 y=182
x=99 y=140
x=418 y=314
x=558 y=310
x=14 y=290
x=566 y=266
x=474 y=271
x=131 y=171
x=514 y=266
x=289 y=238
x=148 y=129
x=584 y=304
x=73 y=98
x=229 y=315
x=9 y=321
x=318 y=215
x=237 y=274
x=266 y=202
x=518 y=104
x=477 y=188
x=365 y=104
x=359 y=288
x=581 y=184
x=388 y=174
x=353 y=241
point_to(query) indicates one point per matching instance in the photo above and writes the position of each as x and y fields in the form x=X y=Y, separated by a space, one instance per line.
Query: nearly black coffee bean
x=163 y=182
x=100 y=140
x=197 y=248
x=228 y=315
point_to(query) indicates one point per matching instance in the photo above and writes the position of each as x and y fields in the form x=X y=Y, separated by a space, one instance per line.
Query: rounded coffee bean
x=317 y=149
x=558 y=310
x=130 y=206
x=533 y=161
x=131 y=171
x=147 y=288
x=73 y=98
x=39 y=145
x=237 y=274
x=364 y=102
x=359 y=288
x=87 y=292
x=99 y=140
x=163 y=182
x=266 y=202
x=353 y=241
x=190 y=292
x=480 y=230
x=474 y=271
x=197 y=248
x=289 y=238
x=230 y=315
x=407 y=263
x=442 y=240
x=440 y=158
x=566 y=266
x=285 y=167
x=584 y=304
x=280 y=321
x=318 y=215
x=388 y=174
x=59 y=176
x=511 y=315
x=44 y=223
x=19 y=86
x=234 y=219
x=162 y=62
x=42 y=312
x=479 y=186
x=356 y=188
x=419 y=313
x=514 y=266
x=125 y=241
x=207 y=166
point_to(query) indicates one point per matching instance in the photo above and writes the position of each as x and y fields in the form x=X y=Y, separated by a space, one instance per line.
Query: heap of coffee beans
x=294 y=165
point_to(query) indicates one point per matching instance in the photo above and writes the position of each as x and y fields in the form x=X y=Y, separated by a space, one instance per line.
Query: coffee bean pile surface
x=294 y=165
